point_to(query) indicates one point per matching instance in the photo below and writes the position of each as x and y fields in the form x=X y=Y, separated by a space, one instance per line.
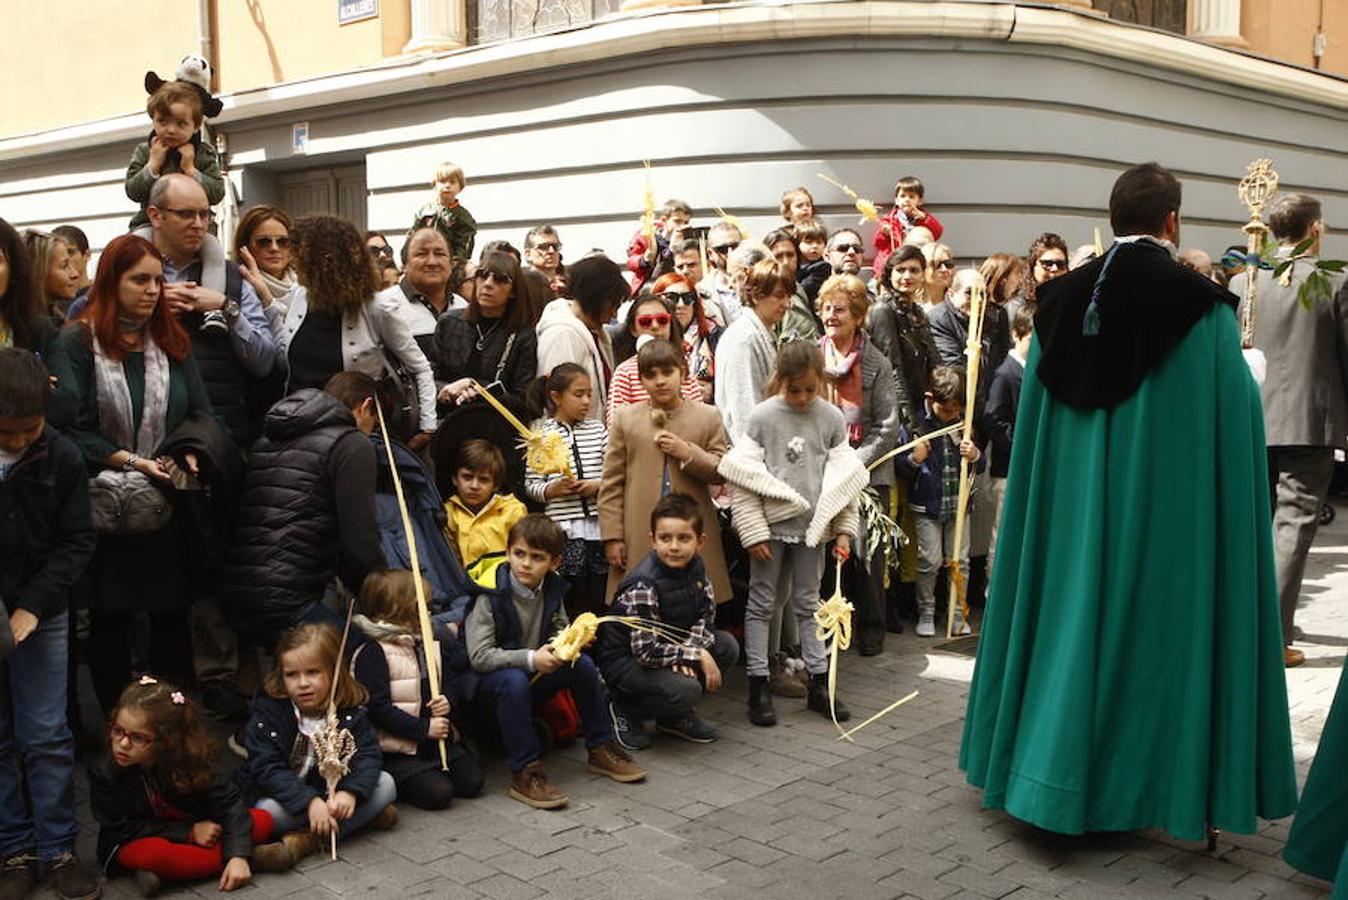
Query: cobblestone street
x=790 y=812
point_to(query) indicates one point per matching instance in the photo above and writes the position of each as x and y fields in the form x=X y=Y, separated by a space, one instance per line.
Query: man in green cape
x=1130 y=670
x=1318 y=844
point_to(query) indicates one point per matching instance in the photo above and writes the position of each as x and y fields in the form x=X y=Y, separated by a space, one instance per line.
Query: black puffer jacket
x=306 y=514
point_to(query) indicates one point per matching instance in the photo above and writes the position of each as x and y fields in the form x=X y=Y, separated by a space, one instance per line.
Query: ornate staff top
x=1255 y=190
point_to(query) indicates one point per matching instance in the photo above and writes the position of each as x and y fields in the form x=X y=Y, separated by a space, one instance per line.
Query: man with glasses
x=543 y=254
x=244 y=348
x=717 y=290
x=379 y=247
x=845 y=252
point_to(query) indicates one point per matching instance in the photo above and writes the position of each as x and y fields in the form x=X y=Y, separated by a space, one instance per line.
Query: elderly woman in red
x=129 y=380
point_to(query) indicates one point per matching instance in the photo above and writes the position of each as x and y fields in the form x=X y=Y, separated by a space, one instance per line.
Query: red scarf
x=845 y=371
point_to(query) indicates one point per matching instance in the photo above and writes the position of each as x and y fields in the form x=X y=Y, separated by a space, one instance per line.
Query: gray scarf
x=115 y=412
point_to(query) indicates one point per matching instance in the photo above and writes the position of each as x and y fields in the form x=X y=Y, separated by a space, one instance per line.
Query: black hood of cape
x=1146 y=304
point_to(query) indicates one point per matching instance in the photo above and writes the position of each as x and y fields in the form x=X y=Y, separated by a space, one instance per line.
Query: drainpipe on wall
x=229 y=205
x=1318 y=42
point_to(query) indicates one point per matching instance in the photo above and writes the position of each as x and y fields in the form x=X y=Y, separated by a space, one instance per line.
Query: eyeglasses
x=281 y=242
x=944 y=264
x=498 y=277
x=138 y=740
x=657 y=320
x=688 y=299
x=723 y=249
x=385 y=250
x=549 y=247
x=848 y=248
x=192 y=215
x=1053 y=264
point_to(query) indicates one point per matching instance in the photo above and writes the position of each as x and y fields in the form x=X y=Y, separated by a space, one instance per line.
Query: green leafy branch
x=1318 y=285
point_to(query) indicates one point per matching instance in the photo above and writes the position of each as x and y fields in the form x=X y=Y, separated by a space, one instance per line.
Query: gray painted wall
x=1011 y=140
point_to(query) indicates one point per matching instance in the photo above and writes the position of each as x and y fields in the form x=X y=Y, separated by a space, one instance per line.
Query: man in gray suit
x=1305 y=396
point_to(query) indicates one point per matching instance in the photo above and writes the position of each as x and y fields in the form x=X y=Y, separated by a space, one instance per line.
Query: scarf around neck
x=116 y=414
x=845 y=370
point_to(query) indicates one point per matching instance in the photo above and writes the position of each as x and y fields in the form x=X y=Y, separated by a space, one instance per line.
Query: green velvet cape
x=1130 y=670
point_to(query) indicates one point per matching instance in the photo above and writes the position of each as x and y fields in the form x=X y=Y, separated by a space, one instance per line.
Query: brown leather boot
x=272 y=857
x=386 y=818
x=300 y=844
x=531 y=786
x=612 y=760
x=1292 y=658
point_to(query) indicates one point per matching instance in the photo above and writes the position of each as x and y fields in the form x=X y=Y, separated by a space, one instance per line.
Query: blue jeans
x=514 y=697
x=33 y=728
x=284 y=822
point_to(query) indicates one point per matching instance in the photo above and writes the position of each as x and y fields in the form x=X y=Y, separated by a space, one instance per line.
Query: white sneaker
x=961 y=627
x=926 y=625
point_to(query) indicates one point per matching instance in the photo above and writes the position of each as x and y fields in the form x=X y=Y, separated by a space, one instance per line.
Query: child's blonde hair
x=795 y=359
x=390 y=595
x=183 y=749
x=448 y=171
x=790 y=196
x=324 y=640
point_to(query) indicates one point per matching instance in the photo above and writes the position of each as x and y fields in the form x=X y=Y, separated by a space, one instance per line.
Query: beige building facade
x=1017 y=116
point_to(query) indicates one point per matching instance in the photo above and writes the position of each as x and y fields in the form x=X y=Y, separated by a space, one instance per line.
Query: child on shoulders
x=176 y=109
x=653 y=676
x=797 y=206
x=410 y=715
x=477 y=518
x=649 y=259
x=508 y=632
x=815 y=269
x=907 y=214
x=161 y=810
x=446 y=215
x=281 y=775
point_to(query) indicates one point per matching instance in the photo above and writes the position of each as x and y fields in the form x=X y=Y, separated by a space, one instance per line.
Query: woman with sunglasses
x=1046 y=261
x=492 y=342
x=263 y=252
x=940 y=270
x=336 y=323
x=701 y=334
x=650 y=316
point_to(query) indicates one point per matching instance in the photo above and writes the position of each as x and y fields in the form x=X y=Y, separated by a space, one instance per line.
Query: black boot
x=760 y=701
x=902 y=604
x=817 y=699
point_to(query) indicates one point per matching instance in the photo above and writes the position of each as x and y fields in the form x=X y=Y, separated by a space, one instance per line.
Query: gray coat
x=880 y=415
x=1306 y=389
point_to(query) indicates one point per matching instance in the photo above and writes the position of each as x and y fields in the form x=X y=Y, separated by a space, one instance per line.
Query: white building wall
x=1010 y=139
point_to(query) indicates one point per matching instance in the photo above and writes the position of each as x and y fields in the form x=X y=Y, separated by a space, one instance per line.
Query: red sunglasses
x=658 y=319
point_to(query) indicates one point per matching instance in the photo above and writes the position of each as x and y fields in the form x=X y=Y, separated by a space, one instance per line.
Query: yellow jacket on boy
x=480 y=538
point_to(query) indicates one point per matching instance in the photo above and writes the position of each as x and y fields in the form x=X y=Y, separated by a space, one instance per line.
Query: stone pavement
x=789 y=812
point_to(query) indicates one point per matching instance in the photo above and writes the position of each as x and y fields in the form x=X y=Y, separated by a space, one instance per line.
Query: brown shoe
x=386 y=819
x=612 y=760
x=780 y=681
x=531 y=786
x=300 y=844
x=1292 y=658
x=273 y=857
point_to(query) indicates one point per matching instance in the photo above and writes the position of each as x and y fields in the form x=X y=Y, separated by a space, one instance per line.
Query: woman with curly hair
x=1046 y=261
x=162 y=812
x=262 y=248
x=336 y=323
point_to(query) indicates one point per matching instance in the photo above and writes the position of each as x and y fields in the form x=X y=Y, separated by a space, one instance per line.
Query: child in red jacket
x=908 y=212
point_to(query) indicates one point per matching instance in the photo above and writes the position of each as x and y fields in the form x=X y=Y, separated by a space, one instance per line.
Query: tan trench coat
x=633 y=468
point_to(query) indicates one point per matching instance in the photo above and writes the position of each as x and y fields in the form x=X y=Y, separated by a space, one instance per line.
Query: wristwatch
x=231 y=310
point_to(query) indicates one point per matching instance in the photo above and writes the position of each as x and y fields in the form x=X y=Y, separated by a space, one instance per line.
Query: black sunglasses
x=498 y=277
x=723 y=249
x=844 y=248
x=281 y=242
x=680 y=299
x=944 y=264
x=385 y=250
x=549 y=246
x=1053 y=263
